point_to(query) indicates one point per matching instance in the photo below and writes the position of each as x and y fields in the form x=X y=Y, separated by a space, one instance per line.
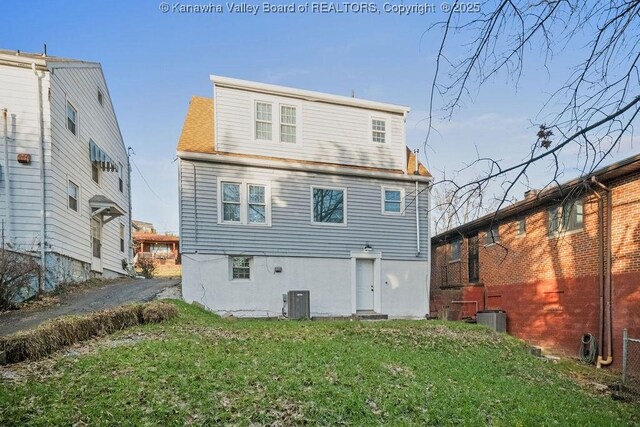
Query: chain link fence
x=630 y=363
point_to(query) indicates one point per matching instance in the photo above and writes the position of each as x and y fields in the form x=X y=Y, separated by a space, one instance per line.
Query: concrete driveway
x=79 y=301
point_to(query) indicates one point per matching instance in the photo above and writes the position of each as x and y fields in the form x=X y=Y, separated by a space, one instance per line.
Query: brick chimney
x=531 y=194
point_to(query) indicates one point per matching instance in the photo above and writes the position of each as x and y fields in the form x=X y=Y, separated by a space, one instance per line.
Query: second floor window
x=493 y=235
x=521 y=227
x=568 y=217
x=455 y=250
x=121 y=237
x=73 y=193
x=72 y=118
x=120 y=180
x=231 y=202
x=392 y=202
x=95 y=172
x=328 y=205
x=287 y=124
x=264 y=120
x=378 y=131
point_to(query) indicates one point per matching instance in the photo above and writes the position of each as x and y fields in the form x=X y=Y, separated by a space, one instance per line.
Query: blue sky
x=154 y=62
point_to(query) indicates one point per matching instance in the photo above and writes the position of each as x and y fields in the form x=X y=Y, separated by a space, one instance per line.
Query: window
x=72 y=118
x=568 y=217
x=521 y=227
x=73 y=193
x=287 y=124
x=263 y=121
x=244 y=202
x=95 y=172
x=493 y=235
x=257 y=204
x=100 y=97
x=231 y=202
x=378 y=130
x=120 y=180
x=121 y=237
x=328 y=205
x=392 y=201
x=455 y=250
x=241 y=267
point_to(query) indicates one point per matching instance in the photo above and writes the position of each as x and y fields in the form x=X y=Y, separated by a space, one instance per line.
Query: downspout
x=5 y=138
x=417 y=173
x=606 y=307
x=130 y=242
x=43 y=264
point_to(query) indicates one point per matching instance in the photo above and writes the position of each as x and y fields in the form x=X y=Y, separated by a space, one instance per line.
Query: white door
x=96 y=245
x=364 y=284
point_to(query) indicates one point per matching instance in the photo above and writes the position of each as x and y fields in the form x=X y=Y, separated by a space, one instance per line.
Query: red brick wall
x=549 y=286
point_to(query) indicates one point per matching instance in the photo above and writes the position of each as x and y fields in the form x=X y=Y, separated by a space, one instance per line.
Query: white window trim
x=255 y=120
x=73 y=104
x=276 y=103
x=251 y=269
x=518 y=234
x=402 y=200
x=69 y=180
x=386 y=130
x=344 y=202
x=244 y=202
x=280 y=123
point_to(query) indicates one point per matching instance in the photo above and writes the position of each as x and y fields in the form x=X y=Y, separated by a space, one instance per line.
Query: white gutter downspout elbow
x=417 y=173
x=6 y=232
x=43 y=263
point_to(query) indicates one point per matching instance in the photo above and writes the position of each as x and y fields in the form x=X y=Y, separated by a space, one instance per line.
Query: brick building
x=562 y=263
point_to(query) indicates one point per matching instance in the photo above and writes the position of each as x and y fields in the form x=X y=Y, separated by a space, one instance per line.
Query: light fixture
x=367 y=247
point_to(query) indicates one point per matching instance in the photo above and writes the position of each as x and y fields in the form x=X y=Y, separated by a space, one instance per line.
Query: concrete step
x=370 y=316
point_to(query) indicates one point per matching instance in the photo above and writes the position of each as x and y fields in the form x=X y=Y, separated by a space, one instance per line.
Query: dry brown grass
x=64 y=331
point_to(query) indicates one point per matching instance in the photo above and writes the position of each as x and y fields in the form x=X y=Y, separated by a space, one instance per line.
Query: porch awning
x=105 y=208
x=100 y=157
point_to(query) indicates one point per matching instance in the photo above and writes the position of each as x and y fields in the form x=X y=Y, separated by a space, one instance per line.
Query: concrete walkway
x=86 y=300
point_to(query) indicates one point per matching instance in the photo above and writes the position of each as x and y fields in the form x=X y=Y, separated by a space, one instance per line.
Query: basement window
x=240 y=267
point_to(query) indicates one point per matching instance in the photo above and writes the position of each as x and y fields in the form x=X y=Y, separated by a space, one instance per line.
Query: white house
x=286 y=189
x=64 y=194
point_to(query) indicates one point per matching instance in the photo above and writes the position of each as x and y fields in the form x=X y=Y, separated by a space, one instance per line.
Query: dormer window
x=264 y=121
x=287 y=124
x=378 y=131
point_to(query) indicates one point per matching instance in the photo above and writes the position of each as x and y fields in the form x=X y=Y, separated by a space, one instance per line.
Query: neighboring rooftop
x=25 y=59
x=552 y=195
x=197 y=137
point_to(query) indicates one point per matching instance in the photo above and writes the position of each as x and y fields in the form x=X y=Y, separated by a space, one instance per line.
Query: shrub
x=147 y=267
x=64 y=331
x=17 y=273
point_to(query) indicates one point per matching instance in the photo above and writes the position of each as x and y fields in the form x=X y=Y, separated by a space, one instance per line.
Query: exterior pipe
x=417 y=173
x=607 y=307
x=43 y=264
x=5 y=138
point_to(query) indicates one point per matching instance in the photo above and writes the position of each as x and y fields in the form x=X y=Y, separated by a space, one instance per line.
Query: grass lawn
x=202 y=370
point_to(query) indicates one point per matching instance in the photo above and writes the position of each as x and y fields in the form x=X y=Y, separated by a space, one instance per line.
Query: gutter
x=7 y=217
x=301 y=167
x=43 y=264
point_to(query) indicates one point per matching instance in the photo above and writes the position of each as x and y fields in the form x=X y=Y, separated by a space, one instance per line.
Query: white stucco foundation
x=400 y=288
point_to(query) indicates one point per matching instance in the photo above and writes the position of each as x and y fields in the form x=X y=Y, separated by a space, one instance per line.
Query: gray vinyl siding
x=291 y=232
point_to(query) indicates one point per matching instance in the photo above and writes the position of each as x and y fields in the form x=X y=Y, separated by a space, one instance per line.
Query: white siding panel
x=329 y=133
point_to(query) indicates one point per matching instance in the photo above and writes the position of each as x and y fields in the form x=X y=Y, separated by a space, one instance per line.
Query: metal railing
x=630 y=362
